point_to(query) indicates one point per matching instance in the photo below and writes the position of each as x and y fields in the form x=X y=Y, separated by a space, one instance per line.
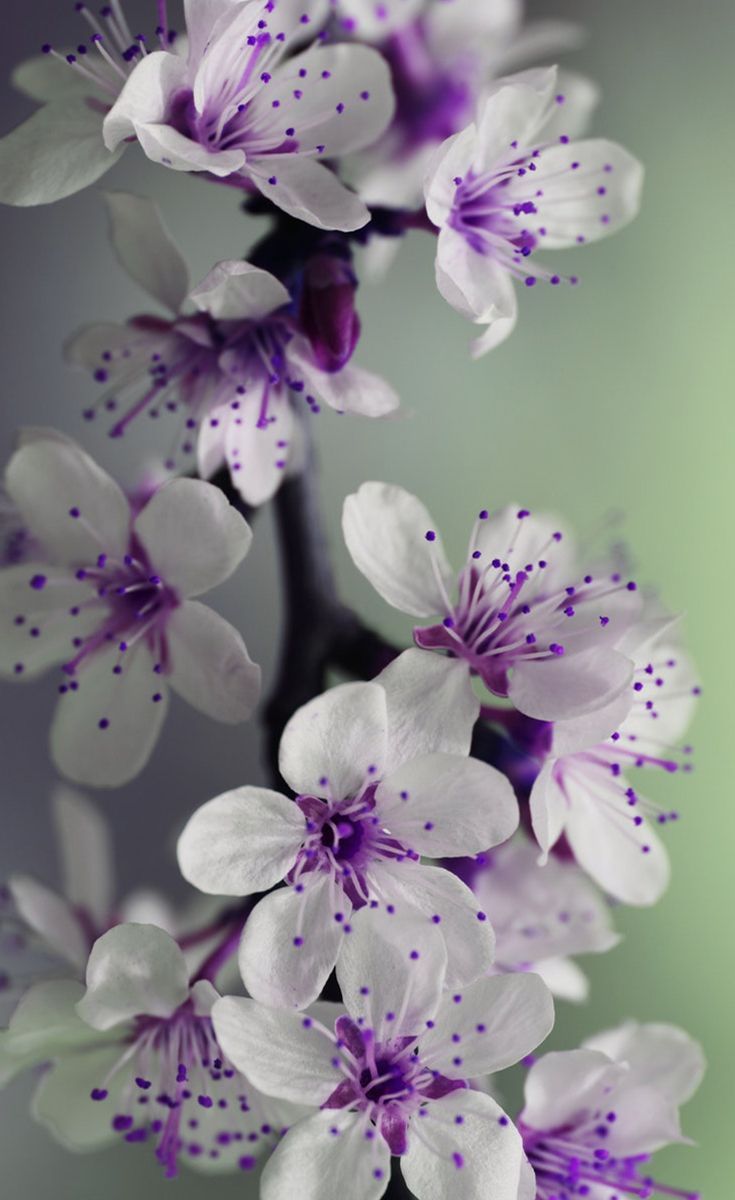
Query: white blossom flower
x=64 y=924
x=135 y=1056
x=230 y=357
x=531 y=624
x=542 y=915
x=381 y=777
x=594 y=1116
x=228 y=105
x=443 y=55
x=110 y=602
x=581 y=790
x=504 y=187
x=391 y=1078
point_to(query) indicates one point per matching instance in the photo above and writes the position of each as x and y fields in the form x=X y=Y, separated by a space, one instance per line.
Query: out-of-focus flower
x=582 y=791
x=505 y=187
x=379 y=780
x=535 y=627
x=233 y=106
x=134 y=1056
x=443 y=55
x=391 y=1076
x=542 y=916
x=64 y=925
x=110 y=602
x=234 y=359
x=593 y=1117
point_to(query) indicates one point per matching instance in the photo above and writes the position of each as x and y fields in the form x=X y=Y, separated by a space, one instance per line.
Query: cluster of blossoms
x=445 y=832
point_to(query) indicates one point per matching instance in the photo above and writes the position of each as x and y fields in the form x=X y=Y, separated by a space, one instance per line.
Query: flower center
x=510 y=610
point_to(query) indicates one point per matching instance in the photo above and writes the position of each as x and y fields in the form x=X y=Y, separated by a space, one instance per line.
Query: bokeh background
x=615 y=397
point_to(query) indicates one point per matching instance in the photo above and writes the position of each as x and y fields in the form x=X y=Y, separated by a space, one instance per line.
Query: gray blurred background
x=614 y=396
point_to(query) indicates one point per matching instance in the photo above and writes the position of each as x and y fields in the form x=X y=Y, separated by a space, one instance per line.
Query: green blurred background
x=616 y=396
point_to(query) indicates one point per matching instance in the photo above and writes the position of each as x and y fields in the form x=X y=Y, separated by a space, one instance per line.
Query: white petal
x=589 y=729
x=194 y=536
x=464 y=1151
x=431 y=706
x=330 y=744
x=209 y=664
x=64 y=1105
x=37 y=626
x=309 y=191
x=338 y=97
x=371 y=21
x=587 y=202
x=349 y=390
x=133 y=970
x=145 y=248
x=608 y=845
x=52 y=917
x=385 y=531
x=561 y=1085
x=202 y=18
x=145 y=95
x=166 y=146
x=496 y=333
x=258 y=455
x=549 y=807
x=327 y=1157
x=86 y=347
x=103 y=733
x=391 y=971
x=571 y=117
x=56 y=152
x=497 y=1020
x=571 y=685
x=474 y=283
x=443 y=805
x=540 y=912
x=44 y=77
x=47 y=479
x=450 y=906
x=663 y=1057
x=45 y=1022
x=521 y=540
x=281 y=1052
x=564 y=979
x=449 y=161
x=85 y=848
x=241 y=842
x=275 y=969
x=514 y=112
x=236 y=290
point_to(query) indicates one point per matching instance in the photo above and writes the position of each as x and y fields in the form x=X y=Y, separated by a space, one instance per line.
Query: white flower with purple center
x=135 y=1057
x=228 y=105
x=594 y=1116
x=47 y=926
x=443 y=55
x=391 y=1078
x=381 y=778
x=230 y=360
x=111 y=604
x=503 y=188
x=522 y=616
x=582 y=791
x=542 y=916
